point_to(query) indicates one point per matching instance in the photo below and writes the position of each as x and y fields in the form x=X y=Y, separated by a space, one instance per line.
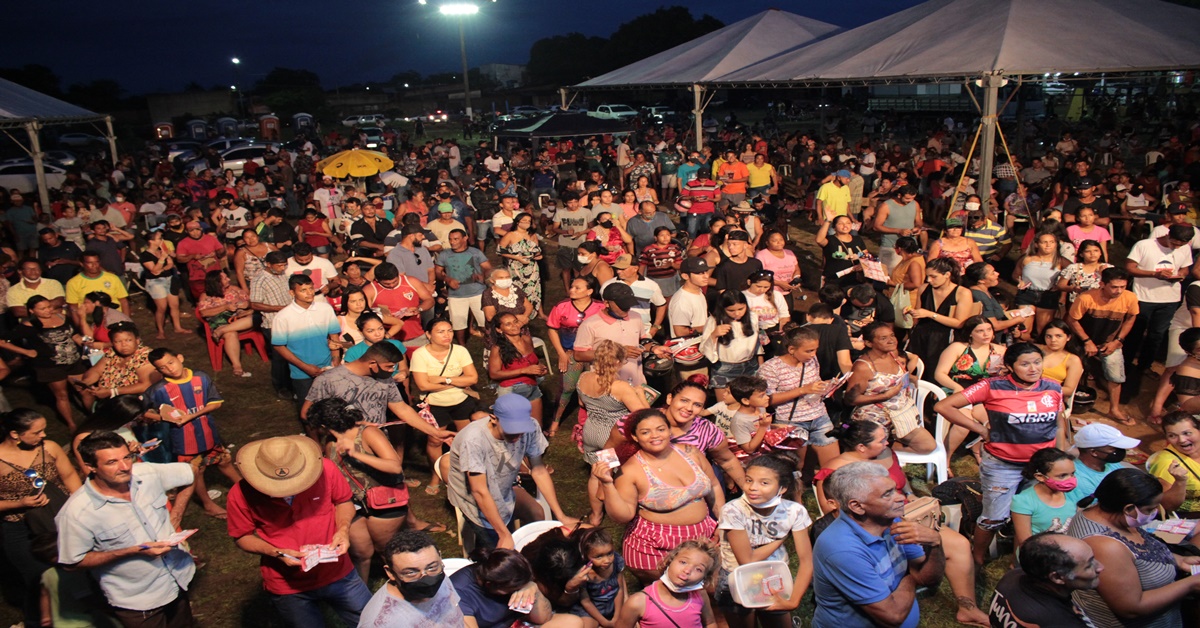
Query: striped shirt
x=991 y=237
x=188 y=394
x=1023 y=420
x=660 y=259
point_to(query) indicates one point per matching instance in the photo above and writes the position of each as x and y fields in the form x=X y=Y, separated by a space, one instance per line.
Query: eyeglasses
x=409 y=575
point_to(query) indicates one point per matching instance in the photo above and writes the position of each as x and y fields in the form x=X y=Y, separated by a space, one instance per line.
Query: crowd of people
x=705 y=350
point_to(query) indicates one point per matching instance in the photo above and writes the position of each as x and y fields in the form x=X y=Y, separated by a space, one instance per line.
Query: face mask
x=972 y=206
x=504 y=284
x=583 y=259
x=1065 y=486
x=770 y=503
x=674 y=589
x=1116 y=456
x=607 y=224
x=1141 y=519
x=381 y=374
x=422 y=588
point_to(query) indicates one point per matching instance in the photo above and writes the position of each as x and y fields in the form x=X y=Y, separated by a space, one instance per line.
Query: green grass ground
x=227 y=591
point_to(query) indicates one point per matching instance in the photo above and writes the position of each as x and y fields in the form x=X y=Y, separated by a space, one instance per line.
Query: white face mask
x=583 y=259
x=972 y=206
x=770 y=503
x=674 y=589
x=504 y=284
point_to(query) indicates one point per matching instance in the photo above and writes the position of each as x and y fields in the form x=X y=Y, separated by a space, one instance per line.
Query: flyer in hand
x=170 y=413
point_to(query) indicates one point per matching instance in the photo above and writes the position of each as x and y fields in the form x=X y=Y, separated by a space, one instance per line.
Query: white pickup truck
x=614 y=112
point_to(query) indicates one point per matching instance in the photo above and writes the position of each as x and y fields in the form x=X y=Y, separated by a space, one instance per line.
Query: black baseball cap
x=621 y=294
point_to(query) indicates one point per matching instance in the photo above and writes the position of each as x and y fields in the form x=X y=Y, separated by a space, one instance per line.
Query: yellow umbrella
x=355 y=163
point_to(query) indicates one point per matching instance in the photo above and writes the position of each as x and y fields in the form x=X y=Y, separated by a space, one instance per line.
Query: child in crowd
x=795 y=388
x=194 y=437
x=676 y=599
x=754 y=528
x=750 y=422
x=604 y=592
x=70 y=226
x=730 y=341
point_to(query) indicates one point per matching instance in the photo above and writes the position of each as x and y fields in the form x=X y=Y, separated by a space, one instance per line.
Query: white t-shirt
x=1150 y=255
x=788 y=517
x=576 y=221
x=722 y=416
x=770 y=307
x=236 y=221
x=1161 y=230
x=493 y=164
x=648 y=293
x=152 y=208
x=320 y=270
x=687 y=309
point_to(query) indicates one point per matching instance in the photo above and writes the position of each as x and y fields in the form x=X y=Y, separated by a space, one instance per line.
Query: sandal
x=433 y=489
x=238 y=373
x=433 y=528
x=412 y=482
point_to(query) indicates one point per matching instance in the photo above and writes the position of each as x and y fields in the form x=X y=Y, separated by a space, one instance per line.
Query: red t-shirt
x=308 y=520
x=206 y=245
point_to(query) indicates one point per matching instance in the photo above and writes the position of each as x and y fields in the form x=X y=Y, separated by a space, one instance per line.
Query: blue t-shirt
x=1042 y=516
x=487 y=611
x=853 y=568
x=1088 y=480
x=22 y=219
x=355 y=352
x=686 y=172
x=460 y=266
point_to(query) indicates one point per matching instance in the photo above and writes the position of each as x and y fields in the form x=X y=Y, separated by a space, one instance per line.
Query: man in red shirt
x=703 y=194
x=199 y=253
x=294 y=508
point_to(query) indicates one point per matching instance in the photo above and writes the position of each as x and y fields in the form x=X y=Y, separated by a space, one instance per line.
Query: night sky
x=162 y=45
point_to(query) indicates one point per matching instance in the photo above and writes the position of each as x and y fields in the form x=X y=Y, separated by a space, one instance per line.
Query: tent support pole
x=562 y=93
x=112 y=139
x=987 y=150
x=39 y=169
x=698 y=114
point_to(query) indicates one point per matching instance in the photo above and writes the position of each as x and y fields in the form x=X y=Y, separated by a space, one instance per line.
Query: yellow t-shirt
x=1158 y=464
x=80 y=285
x=760 y=177
x=18 y=294
x=422 y=361
x=836 y=198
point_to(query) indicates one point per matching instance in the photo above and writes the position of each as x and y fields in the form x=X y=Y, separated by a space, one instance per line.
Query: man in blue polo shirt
x=868 y=564
x=303 y=334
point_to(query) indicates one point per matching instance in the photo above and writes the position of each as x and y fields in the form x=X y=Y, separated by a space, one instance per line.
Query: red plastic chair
x=216 y=348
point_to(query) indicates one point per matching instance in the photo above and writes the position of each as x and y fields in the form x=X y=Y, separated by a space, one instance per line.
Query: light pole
x=237 y=72
x=461 y=10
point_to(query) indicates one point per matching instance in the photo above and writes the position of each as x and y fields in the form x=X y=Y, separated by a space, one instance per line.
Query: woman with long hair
x=1035 y=277
x=881 y=386
x=592 y=264
x=643 y=191
x=611 y=237
x=867 y=441
x=730 y=340
x=33 y=469
x=226 y=307
x=522 y=250
x=513 y=362
x=1024 y=414
x=973 y=356
x=606 y=400
x=1140 y=584
x=314 y=231
x=980 y=278
x=1177 y=464
x=1084 y=274
x=1059 y=362
x=54 y=346
x=562 y=324
x=160 y=276
x=941 y=307
x=354 y=304
x=249 y=261
x=780 y=261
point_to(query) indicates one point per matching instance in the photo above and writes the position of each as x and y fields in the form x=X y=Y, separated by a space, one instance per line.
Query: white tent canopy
x=969 y=38
x=21 y=107
x=719 y=52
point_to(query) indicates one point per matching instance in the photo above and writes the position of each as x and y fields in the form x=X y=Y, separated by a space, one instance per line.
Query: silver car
x=19 y=174
x=235 y=158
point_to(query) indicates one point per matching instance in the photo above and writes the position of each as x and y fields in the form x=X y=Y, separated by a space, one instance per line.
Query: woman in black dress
x=943 y=307
x=841 y=251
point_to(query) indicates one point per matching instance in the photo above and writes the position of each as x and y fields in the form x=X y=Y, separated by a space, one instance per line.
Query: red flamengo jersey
x=1023 y=420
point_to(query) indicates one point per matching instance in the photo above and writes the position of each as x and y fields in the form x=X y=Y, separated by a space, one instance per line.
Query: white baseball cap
x=1095 y=435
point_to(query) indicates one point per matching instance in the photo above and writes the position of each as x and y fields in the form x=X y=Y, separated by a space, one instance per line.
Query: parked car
x=80 y=140
x=614 y=112
x=235 y=158
x=174 y=148
x=1056 y=88
x=658 y=112
x=18 y=174
x=62 y=157
x=223 y=144
x=373 y=119
x=526 y=110
x=374 y=137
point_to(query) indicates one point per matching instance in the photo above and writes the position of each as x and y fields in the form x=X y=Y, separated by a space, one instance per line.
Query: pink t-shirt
x=784 y=269
x=565 y=318
x=1076 y=234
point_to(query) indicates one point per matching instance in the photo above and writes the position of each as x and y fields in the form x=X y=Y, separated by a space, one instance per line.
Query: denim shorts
x=722 y=372
x=482 y=229
x=999 y=480
x=818 y=430
x=1111 y=365
x=531 y=392
x=159 y=287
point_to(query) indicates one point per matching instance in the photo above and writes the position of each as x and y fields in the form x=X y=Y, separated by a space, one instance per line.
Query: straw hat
x=281 y=466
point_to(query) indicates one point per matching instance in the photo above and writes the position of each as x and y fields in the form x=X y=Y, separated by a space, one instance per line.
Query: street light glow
x=236 y=60
x=458 y=9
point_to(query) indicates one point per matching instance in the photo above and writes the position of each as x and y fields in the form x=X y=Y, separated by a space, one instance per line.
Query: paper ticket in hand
x=609 y=457
x=1195 y=569
x=179 y=537
x=316 y=554
x=170 y=413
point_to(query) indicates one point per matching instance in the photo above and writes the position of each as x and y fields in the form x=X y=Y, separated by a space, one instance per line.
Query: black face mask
x=607 y=224
x=380 y=375
x=421 y=588
x=1117 y=455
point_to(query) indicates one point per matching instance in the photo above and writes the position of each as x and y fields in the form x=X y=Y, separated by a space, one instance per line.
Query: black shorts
x=1044 y=299
x=566 y=258
x=447 y=415
x=52 y=374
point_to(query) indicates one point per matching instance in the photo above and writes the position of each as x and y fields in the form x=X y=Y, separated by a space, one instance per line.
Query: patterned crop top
x=662 y=497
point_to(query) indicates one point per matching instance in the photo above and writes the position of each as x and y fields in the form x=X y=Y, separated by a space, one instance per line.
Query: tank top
x=1040 y=275
x=529 y=359
x=899 y=217
x=1057 y=373
x=962 y=258
x=401 y=297
x=662 y=497
x=659 y=615
x=314 y=232
x=1155 y=568
x=16 y=485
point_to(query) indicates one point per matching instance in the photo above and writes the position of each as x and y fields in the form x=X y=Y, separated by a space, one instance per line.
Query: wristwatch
x=449 y=381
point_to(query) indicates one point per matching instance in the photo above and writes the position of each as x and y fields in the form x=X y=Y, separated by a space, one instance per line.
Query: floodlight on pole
x=463 y=8
x=236 y=60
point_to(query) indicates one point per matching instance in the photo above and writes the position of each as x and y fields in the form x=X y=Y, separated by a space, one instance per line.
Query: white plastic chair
x=920 y=369
x=538 y=343
x=451 y=565
x=525 y=534
x=459 y=520
x=936 y=461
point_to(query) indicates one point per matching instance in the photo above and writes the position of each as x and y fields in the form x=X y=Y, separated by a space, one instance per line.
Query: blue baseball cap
x=842 y=173
x=515 y=414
